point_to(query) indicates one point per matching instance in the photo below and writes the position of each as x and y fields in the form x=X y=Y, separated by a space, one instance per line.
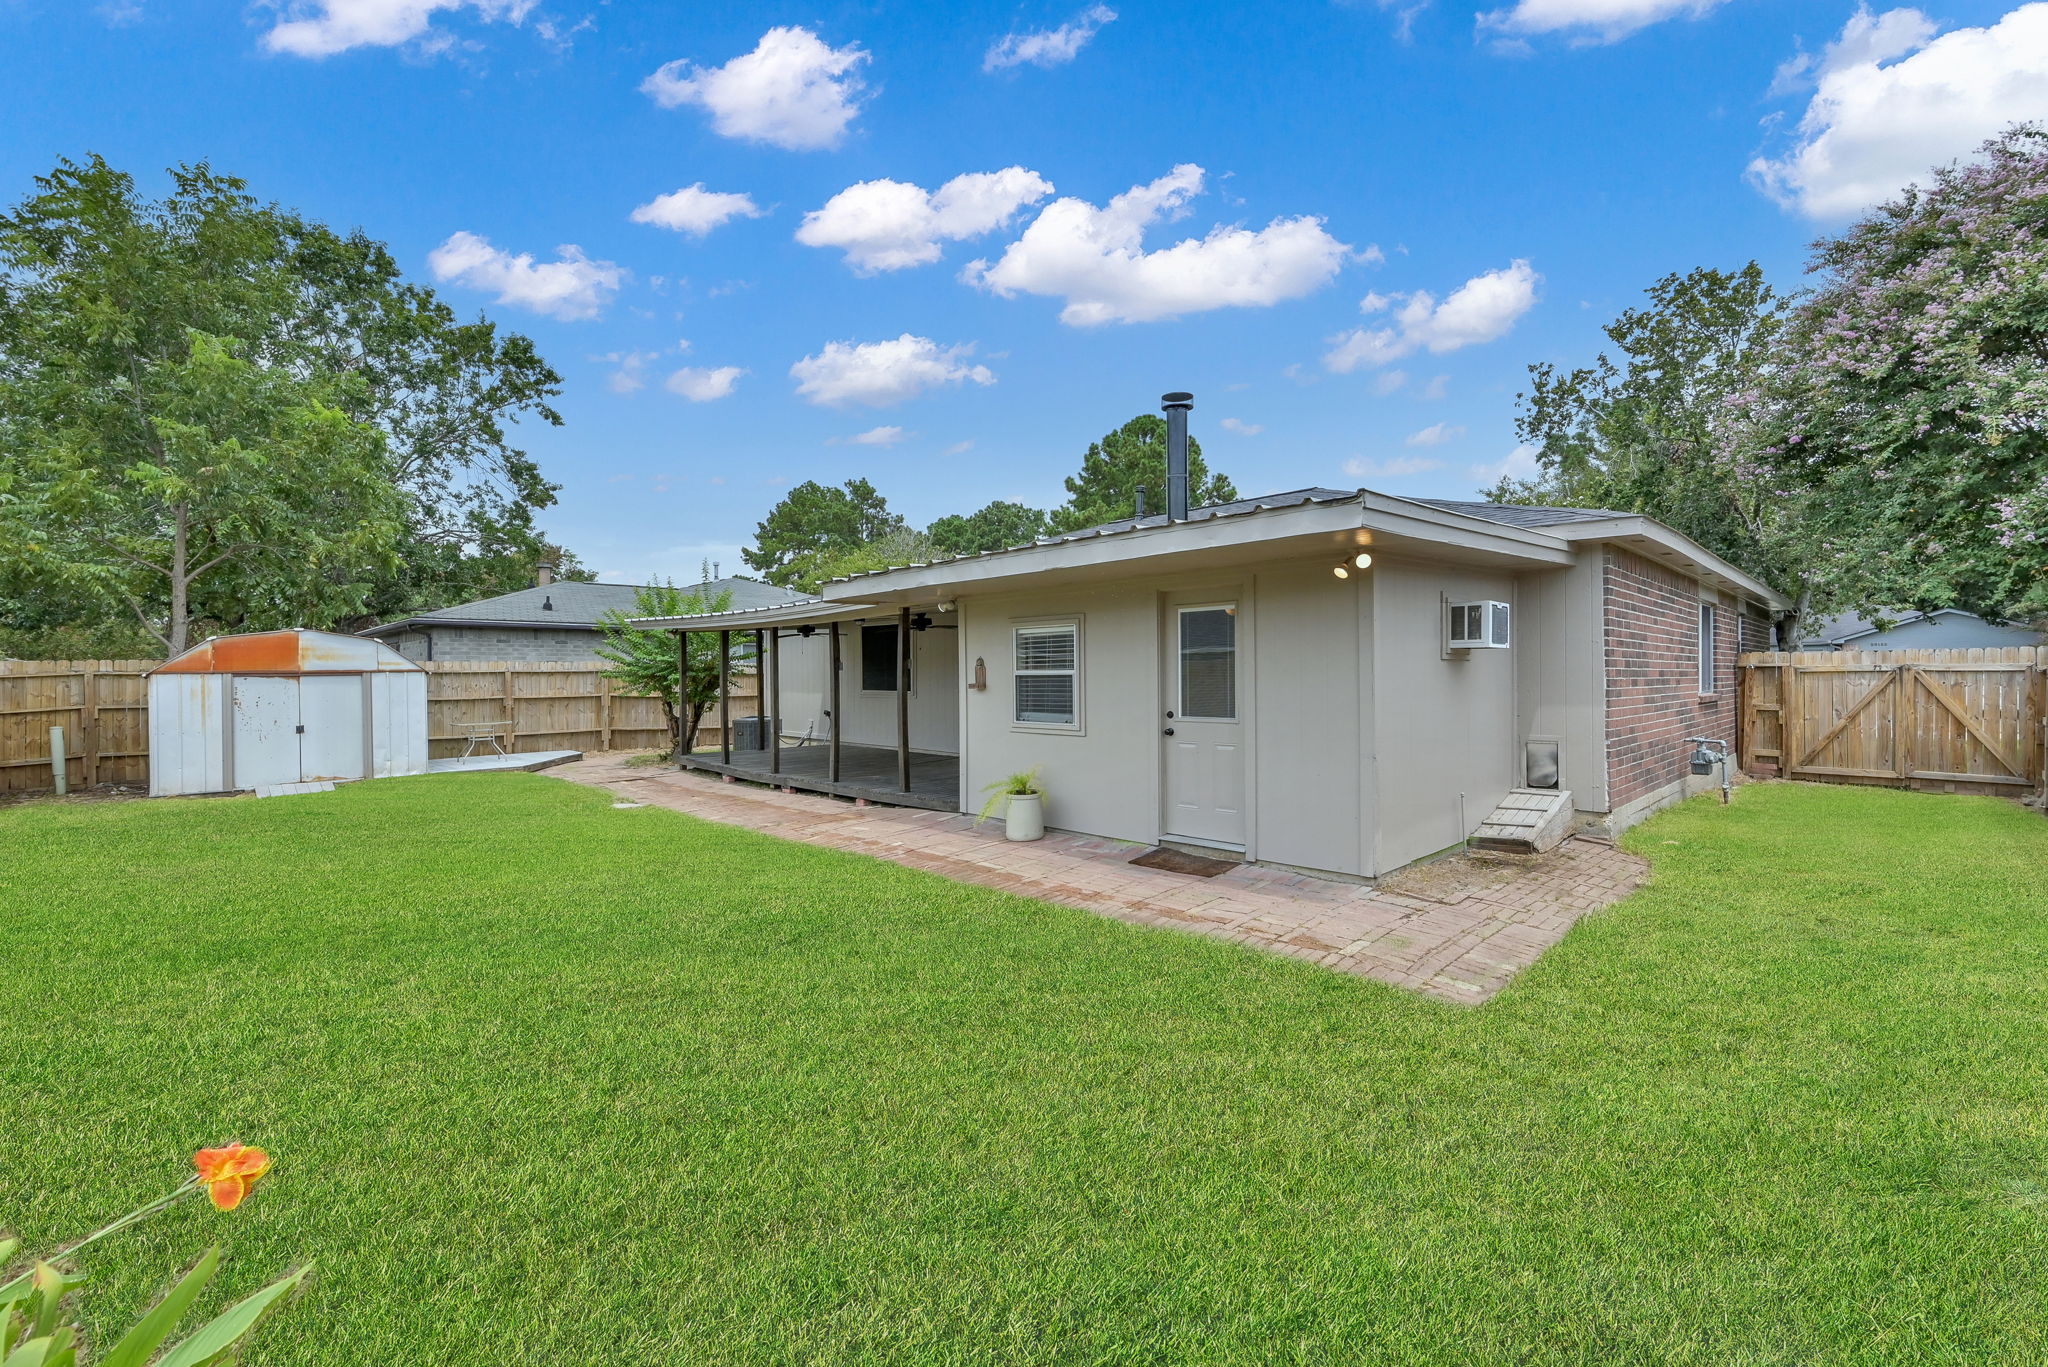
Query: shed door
x=1205 y=738
x=331 y=718
x=266 y=730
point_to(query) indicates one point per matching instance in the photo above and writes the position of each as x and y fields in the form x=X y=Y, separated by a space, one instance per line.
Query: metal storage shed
x=279 y=707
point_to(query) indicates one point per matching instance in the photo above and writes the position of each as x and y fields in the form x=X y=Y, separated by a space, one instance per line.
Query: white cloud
x=1359 y=467
x=1096 y=259
x=1388 y=382
x=1519 y=463
x=1241 y=427
x=1880 y=118
x=880 y=374
x=1438 y=386
x=1589 y=21
x=629 y=376
x=959 y=448
x=1048 y=47
x=1436 y=434
x=793 y=90
x=878 y=436
x=696 y=210
x=321 y=28
x=1483 y=309
x=701 y=385
x=886 y=225
x=571 y=287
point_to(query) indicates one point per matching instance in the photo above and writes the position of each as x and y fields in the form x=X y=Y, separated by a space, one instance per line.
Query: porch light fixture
x=1363 y=560
x=1342 y=570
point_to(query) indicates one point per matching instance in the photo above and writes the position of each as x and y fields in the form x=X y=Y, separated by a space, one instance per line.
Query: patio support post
x=725 y=697
x=903 y=699
x=774 y=668
x=832 y=732
x=684 y=740
x=760 y=689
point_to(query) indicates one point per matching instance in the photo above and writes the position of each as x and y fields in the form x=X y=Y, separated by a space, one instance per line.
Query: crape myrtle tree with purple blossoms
x=1879 y=442
x=1907 y=411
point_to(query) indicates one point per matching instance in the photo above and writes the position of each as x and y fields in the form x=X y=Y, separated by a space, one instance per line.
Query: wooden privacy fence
x=103 y=707
x=1937 y=720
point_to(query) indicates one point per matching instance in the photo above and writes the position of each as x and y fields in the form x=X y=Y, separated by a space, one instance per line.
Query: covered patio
x=814 y=731
x=865 y=771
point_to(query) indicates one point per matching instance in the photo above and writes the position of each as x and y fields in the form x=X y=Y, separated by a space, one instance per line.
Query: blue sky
x=1398 y=206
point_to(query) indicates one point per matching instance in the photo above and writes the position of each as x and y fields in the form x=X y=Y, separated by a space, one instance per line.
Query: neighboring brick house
x=555 y=620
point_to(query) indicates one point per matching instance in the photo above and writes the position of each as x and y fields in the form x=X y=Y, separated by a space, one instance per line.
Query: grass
x=551 y=1082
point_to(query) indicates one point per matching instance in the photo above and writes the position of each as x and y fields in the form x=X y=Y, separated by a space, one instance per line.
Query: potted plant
x=1022 y=801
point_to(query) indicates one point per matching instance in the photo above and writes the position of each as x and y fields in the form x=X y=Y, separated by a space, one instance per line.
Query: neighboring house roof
x=1831 y=633
x=572 y=605
x=1300 y=520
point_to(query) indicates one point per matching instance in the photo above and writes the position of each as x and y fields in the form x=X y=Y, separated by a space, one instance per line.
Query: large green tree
x=161 y=453
x=995 y=527
x=1106 y=486
x=113 y=305
x=814 y=524
x=1648 y=429
x=1907 y=416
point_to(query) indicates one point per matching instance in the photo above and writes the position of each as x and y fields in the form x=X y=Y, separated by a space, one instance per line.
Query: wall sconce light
x=980 y=674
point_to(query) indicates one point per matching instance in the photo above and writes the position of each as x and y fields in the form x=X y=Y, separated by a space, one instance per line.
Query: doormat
x=1179 y=861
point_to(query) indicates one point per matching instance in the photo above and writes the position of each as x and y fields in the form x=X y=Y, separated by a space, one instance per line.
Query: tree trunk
x=181 y=585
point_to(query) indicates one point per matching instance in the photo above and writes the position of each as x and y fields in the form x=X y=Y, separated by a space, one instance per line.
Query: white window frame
x=1708 y=629
x=1078 y=726
x=1180 y=692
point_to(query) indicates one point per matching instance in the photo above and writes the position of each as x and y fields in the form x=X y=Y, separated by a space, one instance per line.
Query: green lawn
x=550 y=1082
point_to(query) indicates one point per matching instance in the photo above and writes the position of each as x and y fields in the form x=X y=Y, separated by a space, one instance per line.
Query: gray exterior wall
x=1445 y=727
x=495 y=643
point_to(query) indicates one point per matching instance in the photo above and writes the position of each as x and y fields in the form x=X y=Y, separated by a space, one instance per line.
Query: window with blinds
x=1208 y=663
x=1048 y=674
x=1706 y=648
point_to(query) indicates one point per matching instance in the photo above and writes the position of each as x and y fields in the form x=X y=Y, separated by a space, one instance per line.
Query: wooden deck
x=867 y=771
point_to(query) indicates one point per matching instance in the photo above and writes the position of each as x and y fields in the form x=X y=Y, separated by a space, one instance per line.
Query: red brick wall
x=1653 y=695
x=1756 y=634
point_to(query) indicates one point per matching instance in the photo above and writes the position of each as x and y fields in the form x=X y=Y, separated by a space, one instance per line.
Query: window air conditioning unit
x=1479 y=626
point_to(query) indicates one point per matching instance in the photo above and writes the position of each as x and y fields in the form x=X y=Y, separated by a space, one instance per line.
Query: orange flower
x=229 y=1172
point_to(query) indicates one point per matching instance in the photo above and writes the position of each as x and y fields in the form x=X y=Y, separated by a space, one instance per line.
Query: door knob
x=1169 y=730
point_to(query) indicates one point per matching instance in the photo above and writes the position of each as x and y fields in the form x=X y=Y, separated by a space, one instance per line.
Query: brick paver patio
x=1463 y=947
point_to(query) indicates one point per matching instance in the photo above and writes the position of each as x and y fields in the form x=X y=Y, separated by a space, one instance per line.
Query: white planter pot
x=1024 y=818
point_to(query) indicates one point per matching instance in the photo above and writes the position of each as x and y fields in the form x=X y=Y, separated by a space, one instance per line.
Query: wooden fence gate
x=1936 y=720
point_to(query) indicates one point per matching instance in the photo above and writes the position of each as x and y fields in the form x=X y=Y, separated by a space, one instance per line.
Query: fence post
x=89 y=724
x=604 y=712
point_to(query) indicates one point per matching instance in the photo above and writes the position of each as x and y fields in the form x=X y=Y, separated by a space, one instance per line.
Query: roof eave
x=1689 y=554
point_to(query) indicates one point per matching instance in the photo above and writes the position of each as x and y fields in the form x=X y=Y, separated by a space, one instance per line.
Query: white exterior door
x=331 y=724
x=266 y=730
x=1205 y=779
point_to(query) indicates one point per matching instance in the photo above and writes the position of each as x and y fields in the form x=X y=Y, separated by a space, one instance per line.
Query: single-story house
x=1336 y=680
x=555 y=620
x=1942 y=629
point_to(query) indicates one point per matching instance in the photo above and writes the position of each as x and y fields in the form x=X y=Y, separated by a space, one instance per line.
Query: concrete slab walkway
x=1458 y=945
